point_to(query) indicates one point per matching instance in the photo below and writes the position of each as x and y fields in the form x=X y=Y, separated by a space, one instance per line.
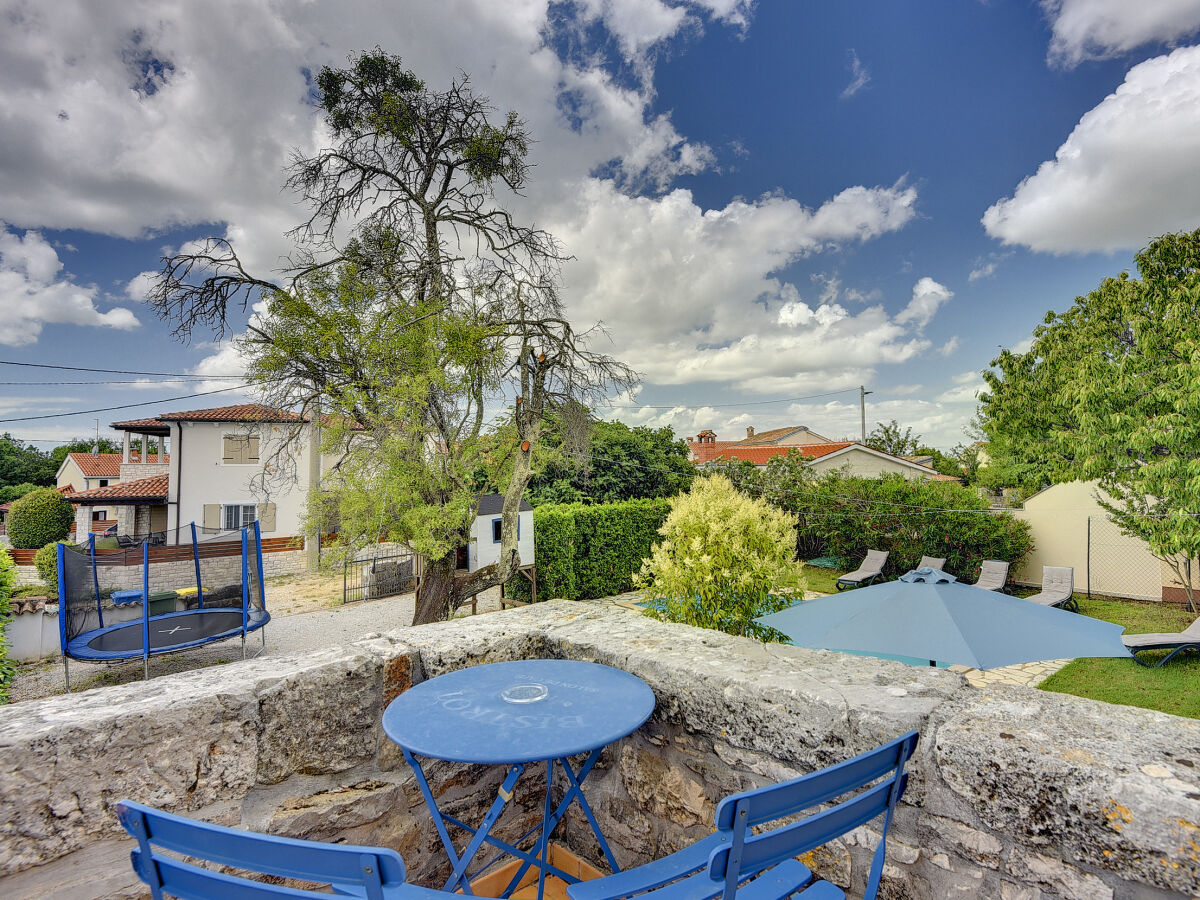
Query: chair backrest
x=932 y=562
x=1058 y=580
x=371 y=868
x=747 y=852
x=993 y=572
x=875 y=560
x=1192 y=630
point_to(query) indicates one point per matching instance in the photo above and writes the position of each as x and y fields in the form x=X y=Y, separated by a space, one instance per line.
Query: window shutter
x=266 y=516
x=212 y=517
x=251 y=449
x=231 y=452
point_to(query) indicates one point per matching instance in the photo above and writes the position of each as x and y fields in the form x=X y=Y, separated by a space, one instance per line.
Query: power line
x=141 y=381
x=80 y=412
x=10 y=362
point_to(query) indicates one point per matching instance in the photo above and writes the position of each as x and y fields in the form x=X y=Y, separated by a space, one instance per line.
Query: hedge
x=40 y=517
x=845 y=516
x=46 y=562
x=584 y=552
x=8 y=578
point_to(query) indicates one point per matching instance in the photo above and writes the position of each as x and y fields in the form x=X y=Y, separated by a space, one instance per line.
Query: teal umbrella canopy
x=951 y=623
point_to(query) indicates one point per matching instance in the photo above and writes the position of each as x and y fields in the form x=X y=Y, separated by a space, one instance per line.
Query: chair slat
x=773 y=847
x=789 y=798
x=188 y=882
x=691 y=858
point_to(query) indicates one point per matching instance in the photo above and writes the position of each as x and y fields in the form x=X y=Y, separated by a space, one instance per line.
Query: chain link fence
x=1119 y=565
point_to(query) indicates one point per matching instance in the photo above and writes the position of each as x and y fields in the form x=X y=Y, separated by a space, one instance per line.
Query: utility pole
x=862 y=409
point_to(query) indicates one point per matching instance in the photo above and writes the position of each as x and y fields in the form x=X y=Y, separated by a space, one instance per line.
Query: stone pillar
x=125 y=448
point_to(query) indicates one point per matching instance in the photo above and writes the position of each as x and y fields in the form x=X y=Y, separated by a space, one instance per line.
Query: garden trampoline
x=218 y=582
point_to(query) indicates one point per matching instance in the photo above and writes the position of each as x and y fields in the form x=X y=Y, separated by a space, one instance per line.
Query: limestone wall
x=1015 y=794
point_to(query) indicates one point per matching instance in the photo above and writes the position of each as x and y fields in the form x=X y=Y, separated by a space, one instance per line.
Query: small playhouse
x=484 y=548
x=182 y=597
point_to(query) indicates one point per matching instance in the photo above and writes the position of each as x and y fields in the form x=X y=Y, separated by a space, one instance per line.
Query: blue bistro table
x=514 y=714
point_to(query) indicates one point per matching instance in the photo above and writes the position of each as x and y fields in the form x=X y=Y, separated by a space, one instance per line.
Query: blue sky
x=764 y=200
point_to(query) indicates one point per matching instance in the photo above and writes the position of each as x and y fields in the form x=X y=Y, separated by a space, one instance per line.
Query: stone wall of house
x=1015 y=794
x=182 y=573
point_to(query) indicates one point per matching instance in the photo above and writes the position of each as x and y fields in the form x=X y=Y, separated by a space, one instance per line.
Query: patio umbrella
x=951 y=623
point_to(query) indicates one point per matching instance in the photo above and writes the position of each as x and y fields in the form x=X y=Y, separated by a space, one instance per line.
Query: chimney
x=690 y=439
x=749 y=431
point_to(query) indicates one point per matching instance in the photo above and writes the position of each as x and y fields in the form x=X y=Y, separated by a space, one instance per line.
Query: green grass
x=1171 y=689
x=32 y=590
x=822 y=580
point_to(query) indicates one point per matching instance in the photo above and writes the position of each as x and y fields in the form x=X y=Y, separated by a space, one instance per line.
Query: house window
x=240 y=450
x=497 y=529
x=103 y=482
x=238 y=515
x=99 y=515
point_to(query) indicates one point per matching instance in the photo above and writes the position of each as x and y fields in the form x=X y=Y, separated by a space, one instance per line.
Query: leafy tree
x=723 y=560
x=1110 y=390
x=22 y=463
x=888 y=438
x=616 y=463
x=39 y=518
x=11 y=492
x=8 y=579
x=403 y=338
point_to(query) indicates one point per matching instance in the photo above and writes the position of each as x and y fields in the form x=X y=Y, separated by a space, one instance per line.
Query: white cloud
x=948 y=348
x=927 y=296
x=859 y=76
x=1126 y=173
x=966 y=386
x=36 y=293
x=689 y=295
x=1096 y=29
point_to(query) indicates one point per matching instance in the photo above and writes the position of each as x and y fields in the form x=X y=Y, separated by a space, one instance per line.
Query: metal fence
x=1118 y=565
x=370 y=577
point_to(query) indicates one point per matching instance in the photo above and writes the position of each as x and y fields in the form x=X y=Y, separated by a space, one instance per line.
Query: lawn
x=1172 y=689
x=822 y=580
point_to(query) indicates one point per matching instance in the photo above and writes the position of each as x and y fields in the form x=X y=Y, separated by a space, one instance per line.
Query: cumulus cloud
x=689 y=295
x=1125 y=174
x=1096 y=29
x=927 y=297
x=36 y=292
x=859 y=76
x=950 y=347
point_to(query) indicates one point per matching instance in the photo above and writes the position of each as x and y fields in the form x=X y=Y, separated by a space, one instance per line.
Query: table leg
x=547 y=827
x=460 y=863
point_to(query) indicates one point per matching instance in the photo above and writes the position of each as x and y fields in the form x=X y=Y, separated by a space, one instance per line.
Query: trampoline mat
x=182 y=628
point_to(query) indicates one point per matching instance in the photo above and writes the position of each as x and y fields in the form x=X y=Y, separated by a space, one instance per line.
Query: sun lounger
x=1188 y=639
x=993 y=576
x=1058 y=586
x=868 y=570
x=932 y=562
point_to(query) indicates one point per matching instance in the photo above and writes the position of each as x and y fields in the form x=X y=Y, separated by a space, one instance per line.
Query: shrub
x=11 y=492
x=39 y=518
x=723 y=559
x=584 y=552
x=8 y=578
x=46 y=561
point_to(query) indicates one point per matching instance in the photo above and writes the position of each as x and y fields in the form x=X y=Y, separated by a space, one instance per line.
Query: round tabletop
x=518 y=712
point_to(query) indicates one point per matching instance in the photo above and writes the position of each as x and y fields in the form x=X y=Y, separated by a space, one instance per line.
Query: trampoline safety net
x=122 y=598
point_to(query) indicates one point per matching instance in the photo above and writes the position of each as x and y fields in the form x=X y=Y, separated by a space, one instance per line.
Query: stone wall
x=182 y=573
x=1015 y=794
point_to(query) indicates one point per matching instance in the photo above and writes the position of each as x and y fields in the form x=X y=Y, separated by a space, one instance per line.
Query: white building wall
x=483 y=551
x=866 y=465
x=198 y=476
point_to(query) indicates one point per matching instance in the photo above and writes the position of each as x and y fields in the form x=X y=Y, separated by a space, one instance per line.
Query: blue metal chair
x=373 y=873
x=720 y=864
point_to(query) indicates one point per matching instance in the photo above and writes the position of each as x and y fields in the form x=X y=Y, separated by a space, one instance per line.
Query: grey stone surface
x=1014 y=793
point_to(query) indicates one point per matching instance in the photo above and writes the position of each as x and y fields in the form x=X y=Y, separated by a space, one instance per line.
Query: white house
x=826 y=456
x=484 y=548
x=217 y=469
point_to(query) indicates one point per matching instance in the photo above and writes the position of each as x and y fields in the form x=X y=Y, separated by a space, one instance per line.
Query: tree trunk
x=437 y=594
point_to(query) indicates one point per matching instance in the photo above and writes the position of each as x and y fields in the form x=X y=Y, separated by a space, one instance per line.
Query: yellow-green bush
x=8 y=578
x=724 y=560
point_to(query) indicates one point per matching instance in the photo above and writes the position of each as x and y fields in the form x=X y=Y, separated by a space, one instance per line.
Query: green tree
x=407 y=336
x=22 y=463
x=888 y=438
x=11 y=492
x=1110 y=390
x=8 y=580
x=616 y=463
x=724 y=560
x=39 y=518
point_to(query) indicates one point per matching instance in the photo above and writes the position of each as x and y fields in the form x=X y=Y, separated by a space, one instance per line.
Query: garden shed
x=484 y=548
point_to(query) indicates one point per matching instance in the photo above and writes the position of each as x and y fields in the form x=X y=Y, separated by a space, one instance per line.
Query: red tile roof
x=102 y=465
x=760 y=455
x=148 y=489
x=139 y=423
x=151 y=458
x=706 y=450
x=244 y=412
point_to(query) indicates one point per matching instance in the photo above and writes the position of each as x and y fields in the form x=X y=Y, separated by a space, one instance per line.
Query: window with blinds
x=240 y=449
x=238 y=515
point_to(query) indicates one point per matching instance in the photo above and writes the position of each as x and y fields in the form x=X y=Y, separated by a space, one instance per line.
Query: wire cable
x=81 y=412
x=10 y=362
